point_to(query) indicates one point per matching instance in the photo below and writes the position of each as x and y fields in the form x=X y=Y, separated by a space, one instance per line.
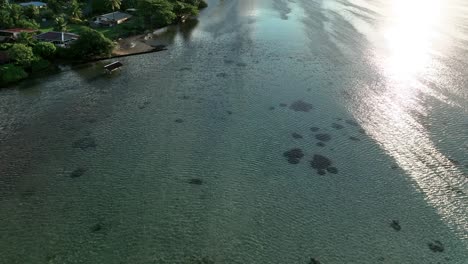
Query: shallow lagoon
x=179 y=158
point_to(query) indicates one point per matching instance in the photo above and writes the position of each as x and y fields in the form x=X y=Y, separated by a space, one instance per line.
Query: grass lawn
x=110 y=32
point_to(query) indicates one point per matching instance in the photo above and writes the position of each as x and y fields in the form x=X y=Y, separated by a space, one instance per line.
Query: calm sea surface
x=180 y=156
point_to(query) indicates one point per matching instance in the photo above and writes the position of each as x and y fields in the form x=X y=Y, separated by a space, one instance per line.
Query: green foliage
x=39 y=65
x=26 y=39
x=99 y=6
x=202 y=4
x=5 y=46
x=45 y=50
x=114 y=4
x=47 y=14
x=156 y=12
x=13 y=16
x=32 y=12
x=55 y=5
x=60 y=23
x=21 y=54
x=75 y=10
x=11 y=73
x=91 y=44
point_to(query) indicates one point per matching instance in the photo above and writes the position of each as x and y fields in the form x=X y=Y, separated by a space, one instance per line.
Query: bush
x=45 y=50
x=202 y=4
x=91 y=44
x=156 y=13
x=5 y=46
x=21 y=54
x=47 y=14
x=11 y=73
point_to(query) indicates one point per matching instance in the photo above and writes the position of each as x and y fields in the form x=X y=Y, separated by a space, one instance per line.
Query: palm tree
x=75 y=10
x=25 y=38
x=60 y=24
x=114 y=4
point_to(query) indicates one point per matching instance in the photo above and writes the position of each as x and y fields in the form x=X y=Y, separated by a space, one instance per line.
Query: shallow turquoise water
x=182 y=151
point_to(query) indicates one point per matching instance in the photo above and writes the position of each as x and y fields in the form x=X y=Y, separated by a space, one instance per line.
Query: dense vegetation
x=28 y=55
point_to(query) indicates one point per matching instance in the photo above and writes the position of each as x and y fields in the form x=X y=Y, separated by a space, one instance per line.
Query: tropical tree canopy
x=21 y=54
x=92 y=44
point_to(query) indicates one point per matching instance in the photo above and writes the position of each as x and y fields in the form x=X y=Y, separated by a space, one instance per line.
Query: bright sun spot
x=409 y=36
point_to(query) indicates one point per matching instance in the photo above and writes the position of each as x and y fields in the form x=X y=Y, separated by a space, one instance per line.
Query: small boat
x=112 y=66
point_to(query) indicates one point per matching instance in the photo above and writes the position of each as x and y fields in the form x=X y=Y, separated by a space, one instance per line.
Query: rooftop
x=117 y=15
x=18 y=30
x=33 y=3
x=53 y=35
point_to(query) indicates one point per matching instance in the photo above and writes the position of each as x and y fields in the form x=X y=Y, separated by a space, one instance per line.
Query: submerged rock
x=97 y=227
x=196 y=181
x=222 y=75
x=283 y=105
x=314 y=129
x=271 y=108
x=313 y=261
x=320 y=162
x=395 y=224
x=296 y=135
x=85 y=143
x=294 y=155
x=229 y=112
x=332 y=170
x=320 y=144
x=77 y=173
x=354 y=138
x=436 y=246
x=301 y=106
x=351 y=122
x=337 y=126
x=323 y=137
x=179 y=120
x=201 y=260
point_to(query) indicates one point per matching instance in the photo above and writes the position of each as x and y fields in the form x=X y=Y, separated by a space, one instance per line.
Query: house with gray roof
x=34 y=3
x=111 y=19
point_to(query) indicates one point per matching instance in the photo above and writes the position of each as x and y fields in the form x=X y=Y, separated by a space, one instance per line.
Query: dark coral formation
x=301 y=106
x=85 y=143
x=294 y=155
x=196 y=181
x=337 y=126
x=77 y=173
x=313 y=261
x=351 y=122
x=296 y=135
x=323 y=137
x=323 y=165
x=395 y=224
x=320 y=162
x=436 y=246
x=97 y=227
x=314 y=129
x=201 y=260
x=332 y=170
